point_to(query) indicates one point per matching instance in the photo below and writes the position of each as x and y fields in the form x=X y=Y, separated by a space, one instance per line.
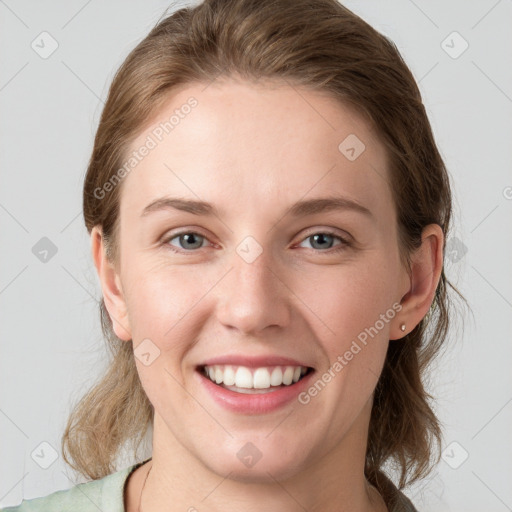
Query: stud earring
x=402 y=327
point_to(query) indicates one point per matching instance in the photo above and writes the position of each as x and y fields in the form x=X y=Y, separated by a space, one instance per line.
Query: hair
x=316 y=44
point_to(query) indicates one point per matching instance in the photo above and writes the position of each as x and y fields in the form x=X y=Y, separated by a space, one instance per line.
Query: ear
x=426 y=268
x=111 y=287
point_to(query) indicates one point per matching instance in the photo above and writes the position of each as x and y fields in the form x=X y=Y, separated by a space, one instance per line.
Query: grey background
x=51 y=342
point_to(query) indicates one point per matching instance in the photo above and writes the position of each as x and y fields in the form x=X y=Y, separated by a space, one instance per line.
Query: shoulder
x=105 y=494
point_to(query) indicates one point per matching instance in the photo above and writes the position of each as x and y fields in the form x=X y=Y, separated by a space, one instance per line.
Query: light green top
x=107 y=495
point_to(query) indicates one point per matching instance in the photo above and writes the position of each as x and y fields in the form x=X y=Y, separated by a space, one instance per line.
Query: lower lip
x=254 y=403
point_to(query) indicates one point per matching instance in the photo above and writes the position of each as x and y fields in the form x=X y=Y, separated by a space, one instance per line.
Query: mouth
x=249 y=381
x=254 y=390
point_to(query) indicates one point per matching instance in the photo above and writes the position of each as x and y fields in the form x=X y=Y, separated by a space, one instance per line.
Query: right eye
x=189 y=240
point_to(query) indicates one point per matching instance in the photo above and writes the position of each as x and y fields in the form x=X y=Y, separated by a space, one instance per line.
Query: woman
x=278 y=360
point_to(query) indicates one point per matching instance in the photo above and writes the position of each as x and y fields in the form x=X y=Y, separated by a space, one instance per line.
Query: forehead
x=258 y=146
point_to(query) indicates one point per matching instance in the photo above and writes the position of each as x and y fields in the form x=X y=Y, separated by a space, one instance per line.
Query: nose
x=254 y=296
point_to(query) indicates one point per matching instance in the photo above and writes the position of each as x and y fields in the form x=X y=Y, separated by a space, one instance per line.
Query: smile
x=254 y=390
x=244 y=379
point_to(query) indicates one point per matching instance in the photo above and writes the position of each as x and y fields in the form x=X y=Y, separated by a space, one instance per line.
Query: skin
x=253 y=150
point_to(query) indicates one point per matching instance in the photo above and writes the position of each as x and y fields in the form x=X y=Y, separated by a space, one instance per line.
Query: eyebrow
x=299 y=209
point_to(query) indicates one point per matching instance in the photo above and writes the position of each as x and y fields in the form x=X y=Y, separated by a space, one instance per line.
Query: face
x=256 y=276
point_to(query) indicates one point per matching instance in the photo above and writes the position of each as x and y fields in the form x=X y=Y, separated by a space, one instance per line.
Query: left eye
x=322 y=239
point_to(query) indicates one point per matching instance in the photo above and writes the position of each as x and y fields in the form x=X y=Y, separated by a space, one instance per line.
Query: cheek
x=350 y=299
x=354 y=308
x=164 y=306
x=163 y=300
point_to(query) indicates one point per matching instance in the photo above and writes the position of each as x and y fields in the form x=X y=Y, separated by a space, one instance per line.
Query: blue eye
x=324 y=239
x=187 y=237
x=190 y=240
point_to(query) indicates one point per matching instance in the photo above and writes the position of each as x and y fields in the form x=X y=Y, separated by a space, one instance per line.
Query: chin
x=249 y=467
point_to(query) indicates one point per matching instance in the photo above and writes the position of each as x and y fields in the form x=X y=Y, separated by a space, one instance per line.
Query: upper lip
x=253 y=361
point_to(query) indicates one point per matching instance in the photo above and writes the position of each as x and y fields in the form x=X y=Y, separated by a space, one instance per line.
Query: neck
x=329 y=482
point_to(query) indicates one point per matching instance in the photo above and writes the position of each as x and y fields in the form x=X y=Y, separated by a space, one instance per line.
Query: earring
x=402 y=327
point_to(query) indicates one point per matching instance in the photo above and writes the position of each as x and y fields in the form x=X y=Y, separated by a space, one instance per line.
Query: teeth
x=243 y=377
x=257 y=378
x=288 y=375
x=276 y=379
x=229 y=378
x=261 y=379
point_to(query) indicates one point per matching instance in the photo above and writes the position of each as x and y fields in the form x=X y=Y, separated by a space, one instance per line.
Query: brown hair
x=321 y=45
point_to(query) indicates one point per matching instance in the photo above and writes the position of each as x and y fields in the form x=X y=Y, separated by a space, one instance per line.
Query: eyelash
x=341 y=247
